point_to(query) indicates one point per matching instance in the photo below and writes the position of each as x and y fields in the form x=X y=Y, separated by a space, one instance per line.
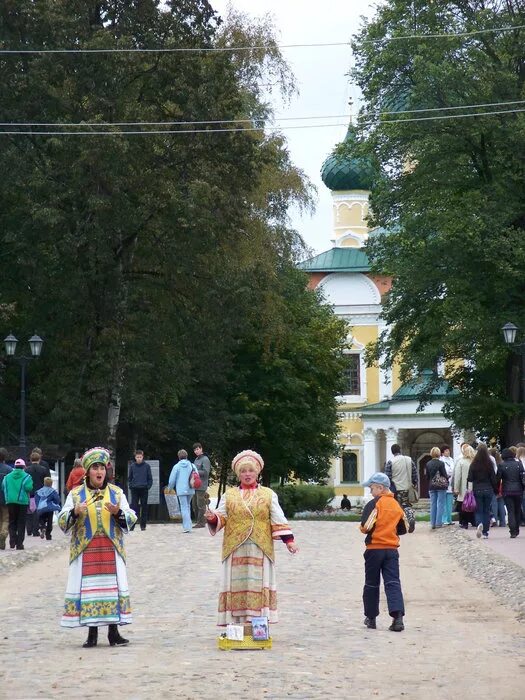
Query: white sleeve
x=220 y=512
x=65 y=519
x=278 y=519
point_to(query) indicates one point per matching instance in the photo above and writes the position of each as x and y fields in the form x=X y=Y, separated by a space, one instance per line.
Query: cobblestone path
x=459 y=640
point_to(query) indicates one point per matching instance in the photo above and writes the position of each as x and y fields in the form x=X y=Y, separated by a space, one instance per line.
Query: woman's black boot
x=92 y=638
x=114 y=638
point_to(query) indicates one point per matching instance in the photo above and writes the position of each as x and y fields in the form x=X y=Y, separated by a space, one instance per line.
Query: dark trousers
x=198 y=503
x=466 y=518
x=139 y=502
x=513 y=504
x=32 y=523
x=17 y=524
x=382 y=562
x=45 y=521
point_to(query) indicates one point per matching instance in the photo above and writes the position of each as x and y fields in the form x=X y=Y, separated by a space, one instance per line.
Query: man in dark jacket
x=140 y=481
x=511 y=477
x=4 y=512
x=38 y=473
x=203 y=466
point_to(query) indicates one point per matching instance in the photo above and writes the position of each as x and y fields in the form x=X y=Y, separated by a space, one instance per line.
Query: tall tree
x=450 y=195
x=154 y=265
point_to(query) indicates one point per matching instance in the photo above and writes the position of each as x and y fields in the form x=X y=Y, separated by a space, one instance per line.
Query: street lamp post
x=510 y=331
x=35 y=344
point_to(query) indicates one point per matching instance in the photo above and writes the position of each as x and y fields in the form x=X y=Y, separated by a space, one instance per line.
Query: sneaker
x=370 y=622
x=485 y=535
x=42 y=534
x=479 y=530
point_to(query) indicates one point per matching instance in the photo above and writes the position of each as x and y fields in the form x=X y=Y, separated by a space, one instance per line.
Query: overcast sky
x=323 y=83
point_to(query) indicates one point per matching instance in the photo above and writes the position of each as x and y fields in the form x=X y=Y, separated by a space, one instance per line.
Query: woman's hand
x=292 y=547
x=80 y=508
x=210 y=517
x=112 y=507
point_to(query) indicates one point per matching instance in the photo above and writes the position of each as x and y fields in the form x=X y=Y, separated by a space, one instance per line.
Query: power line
x=251 y=121
x=222 y=49
x=272 y=128
x=450 y=35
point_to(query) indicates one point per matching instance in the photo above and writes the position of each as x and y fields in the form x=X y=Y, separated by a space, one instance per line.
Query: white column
x=337 y=466
x=369 y=453
x=391 y=439
x=457 y=439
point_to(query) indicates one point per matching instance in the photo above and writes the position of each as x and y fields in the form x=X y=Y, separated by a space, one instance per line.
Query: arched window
x=349 y=467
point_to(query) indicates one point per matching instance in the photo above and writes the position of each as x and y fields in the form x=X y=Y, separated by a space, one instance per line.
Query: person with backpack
x=402 y=473
x=180 y=481
x=17 y=485
x=38 y=473
x=47 y=502
x=4 y=513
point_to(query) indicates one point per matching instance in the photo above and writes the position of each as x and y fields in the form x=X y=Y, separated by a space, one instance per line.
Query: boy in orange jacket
x=383 y=520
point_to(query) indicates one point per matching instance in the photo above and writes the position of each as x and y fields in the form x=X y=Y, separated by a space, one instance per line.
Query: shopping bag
x=172 y=503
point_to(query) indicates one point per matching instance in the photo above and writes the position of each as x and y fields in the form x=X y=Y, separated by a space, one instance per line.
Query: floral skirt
x=248 y=586
x=97 y=587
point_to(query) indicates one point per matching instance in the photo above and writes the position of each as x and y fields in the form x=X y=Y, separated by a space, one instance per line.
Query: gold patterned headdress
x=96 y=455
x=247 y=457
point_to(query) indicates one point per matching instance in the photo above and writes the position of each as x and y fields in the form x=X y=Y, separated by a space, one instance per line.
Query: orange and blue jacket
x=383 y=520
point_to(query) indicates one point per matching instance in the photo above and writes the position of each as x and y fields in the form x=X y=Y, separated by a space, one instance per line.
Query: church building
x=376 y=411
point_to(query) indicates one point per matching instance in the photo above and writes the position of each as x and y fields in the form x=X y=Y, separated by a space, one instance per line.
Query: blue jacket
x=47 y=500
x=180 y=476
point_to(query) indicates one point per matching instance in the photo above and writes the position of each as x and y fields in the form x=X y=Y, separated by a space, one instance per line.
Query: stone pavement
x=460 y=641
x=499 y=540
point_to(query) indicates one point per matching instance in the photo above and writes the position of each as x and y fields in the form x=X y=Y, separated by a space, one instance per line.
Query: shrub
x=294 y=498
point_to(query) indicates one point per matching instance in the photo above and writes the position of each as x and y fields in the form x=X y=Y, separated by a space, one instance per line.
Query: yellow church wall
x=350 y=216
x=349 y=243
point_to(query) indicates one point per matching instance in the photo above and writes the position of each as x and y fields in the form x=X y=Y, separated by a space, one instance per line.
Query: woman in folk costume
x=252 y=519
x=97 y=513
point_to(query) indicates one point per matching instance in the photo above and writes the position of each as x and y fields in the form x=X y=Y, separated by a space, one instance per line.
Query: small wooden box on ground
x=247 y=643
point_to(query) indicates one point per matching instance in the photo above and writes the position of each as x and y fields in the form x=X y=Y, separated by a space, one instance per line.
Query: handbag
x=195 y=481
x=438 y=482
x=469 y=502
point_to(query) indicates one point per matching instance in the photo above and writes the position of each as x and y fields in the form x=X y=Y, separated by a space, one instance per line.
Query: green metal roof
x=413 y=389
x=410 y=391
x=337 y=260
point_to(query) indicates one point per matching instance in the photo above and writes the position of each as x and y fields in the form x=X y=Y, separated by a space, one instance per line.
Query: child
x=47 y=502
x=383 y=520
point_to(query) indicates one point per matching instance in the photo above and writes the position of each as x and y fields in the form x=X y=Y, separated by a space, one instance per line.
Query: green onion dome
x=341 y=172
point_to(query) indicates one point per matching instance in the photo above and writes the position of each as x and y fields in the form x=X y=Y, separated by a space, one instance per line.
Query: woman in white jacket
x=460 y=485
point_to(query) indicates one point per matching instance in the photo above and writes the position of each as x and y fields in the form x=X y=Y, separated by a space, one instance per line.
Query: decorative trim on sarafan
x=279 y=530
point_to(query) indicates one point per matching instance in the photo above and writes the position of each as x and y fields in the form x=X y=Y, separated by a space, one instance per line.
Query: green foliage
x=158 y=268
x=296 y=498
x=451 y=195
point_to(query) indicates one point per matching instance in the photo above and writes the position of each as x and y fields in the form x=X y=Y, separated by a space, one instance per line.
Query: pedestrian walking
x=203 y=466
x=38 y=473
x=437 y=488
x=252 y=519
x=140 y=481
x=97 y=514
x=47 y=503
x=383 y=520
x=449 y=496
x=511 y=477
x=4 y=512
x=402 y=472
x=17 y=485
x=180 y=481
x=497 y=507
x=460 y=484
x=76 y=475
x=484 y=484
